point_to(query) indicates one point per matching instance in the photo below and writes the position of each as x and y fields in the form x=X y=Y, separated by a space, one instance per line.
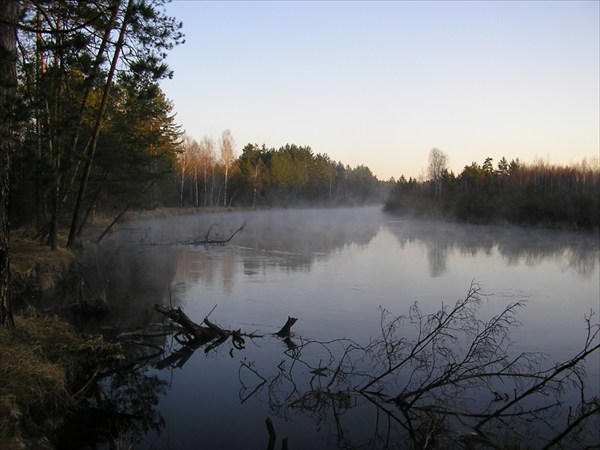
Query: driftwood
x=272 y=434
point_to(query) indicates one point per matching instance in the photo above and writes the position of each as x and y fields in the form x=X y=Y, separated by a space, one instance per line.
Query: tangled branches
x=446 y=379
x=443 y=380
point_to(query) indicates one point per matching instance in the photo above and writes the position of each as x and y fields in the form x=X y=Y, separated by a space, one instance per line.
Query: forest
x=291 y=175
x=536 y=194
x=87 y=131
x=94 y=133
x=89 y=123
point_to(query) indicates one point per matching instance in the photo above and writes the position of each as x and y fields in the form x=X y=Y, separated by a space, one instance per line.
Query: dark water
x=334 y=270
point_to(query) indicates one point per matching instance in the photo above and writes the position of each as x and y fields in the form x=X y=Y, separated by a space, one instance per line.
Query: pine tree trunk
x=96 y=133
x=8 y=86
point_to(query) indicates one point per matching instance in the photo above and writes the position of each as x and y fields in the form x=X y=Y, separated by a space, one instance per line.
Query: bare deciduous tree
x=184 y=161
x=438 y=164
x=194 y=152
x=227 y=144
x=207 y=164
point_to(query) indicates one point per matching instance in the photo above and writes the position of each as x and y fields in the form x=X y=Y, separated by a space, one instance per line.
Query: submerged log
x=286 y=329
x=178 y=358
x=198 y=333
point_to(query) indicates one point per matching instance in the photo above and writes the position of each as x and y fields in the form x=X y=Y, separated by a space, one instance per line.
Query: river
x=339 y=272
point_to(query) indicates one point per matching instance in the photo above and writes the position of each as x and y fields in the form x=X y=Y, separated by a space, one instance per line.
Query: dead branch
x=592 y=409
x=550 y=376
x=178 y=358
x=214 y=239
x=432 y=327
x=192 y=336
x=430 y=380
x=190 y=327
x=112 y=224
x=210 y=238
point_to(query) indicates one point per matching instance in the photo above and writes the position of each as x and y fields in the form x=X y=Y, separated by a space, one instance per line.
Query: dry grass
x=33 y=381
x=26 y=253
x=39 y=360
x=35 y=267
x=164 y=212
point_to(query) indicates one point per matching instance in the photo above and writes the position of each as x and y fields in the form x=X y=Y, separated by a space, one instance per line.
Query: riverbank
x=45 y=365
x=37 y=270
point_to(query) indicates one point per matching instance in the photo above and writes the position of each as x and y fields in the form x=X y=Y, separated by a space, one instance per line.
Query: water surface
x=334 y=270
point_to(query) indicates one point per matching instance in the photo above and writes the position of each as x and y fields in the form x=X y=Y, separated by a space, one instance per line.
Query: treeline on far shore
x=538 y=194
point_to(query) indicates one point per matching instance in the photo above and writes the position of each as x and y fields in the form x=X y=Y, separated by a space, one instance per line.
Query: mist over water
x=332 y=269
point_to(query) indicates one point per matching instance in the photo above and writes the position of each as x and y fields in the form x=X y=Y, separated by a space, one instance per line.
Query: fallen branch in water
x=216 y=239
x=455 y=371
x=192 y=335
x=446 y=379
x=210 y=238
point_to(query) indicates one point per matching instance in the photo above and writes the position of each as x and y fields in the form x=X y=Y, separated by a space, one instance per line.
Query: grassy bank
x=35 y=268
x=44 y=365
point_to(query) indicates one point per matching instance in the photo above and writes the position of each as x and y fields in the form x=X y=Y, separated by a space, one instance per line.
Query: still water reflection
x=332 y=269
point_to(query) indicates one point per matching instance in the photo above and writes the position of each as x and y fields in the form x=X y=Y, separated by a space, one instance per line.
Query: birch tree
x=184 y=160
x=207 y=164
x=438 y=164
x=227 y=157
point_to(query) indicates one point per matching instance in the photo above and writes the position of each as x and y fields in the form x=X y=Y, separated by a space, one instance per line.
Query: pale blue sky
x=381 y=83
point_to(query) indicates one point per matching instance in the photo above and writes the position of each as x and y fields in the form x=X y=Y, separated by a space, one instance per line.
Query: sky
x=382 y=83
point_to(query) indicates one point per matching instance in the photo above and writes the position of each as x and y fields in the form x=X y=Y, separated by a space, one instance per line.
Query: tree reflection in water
x=449 y=382
x=577 y=251
x=121 y=406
